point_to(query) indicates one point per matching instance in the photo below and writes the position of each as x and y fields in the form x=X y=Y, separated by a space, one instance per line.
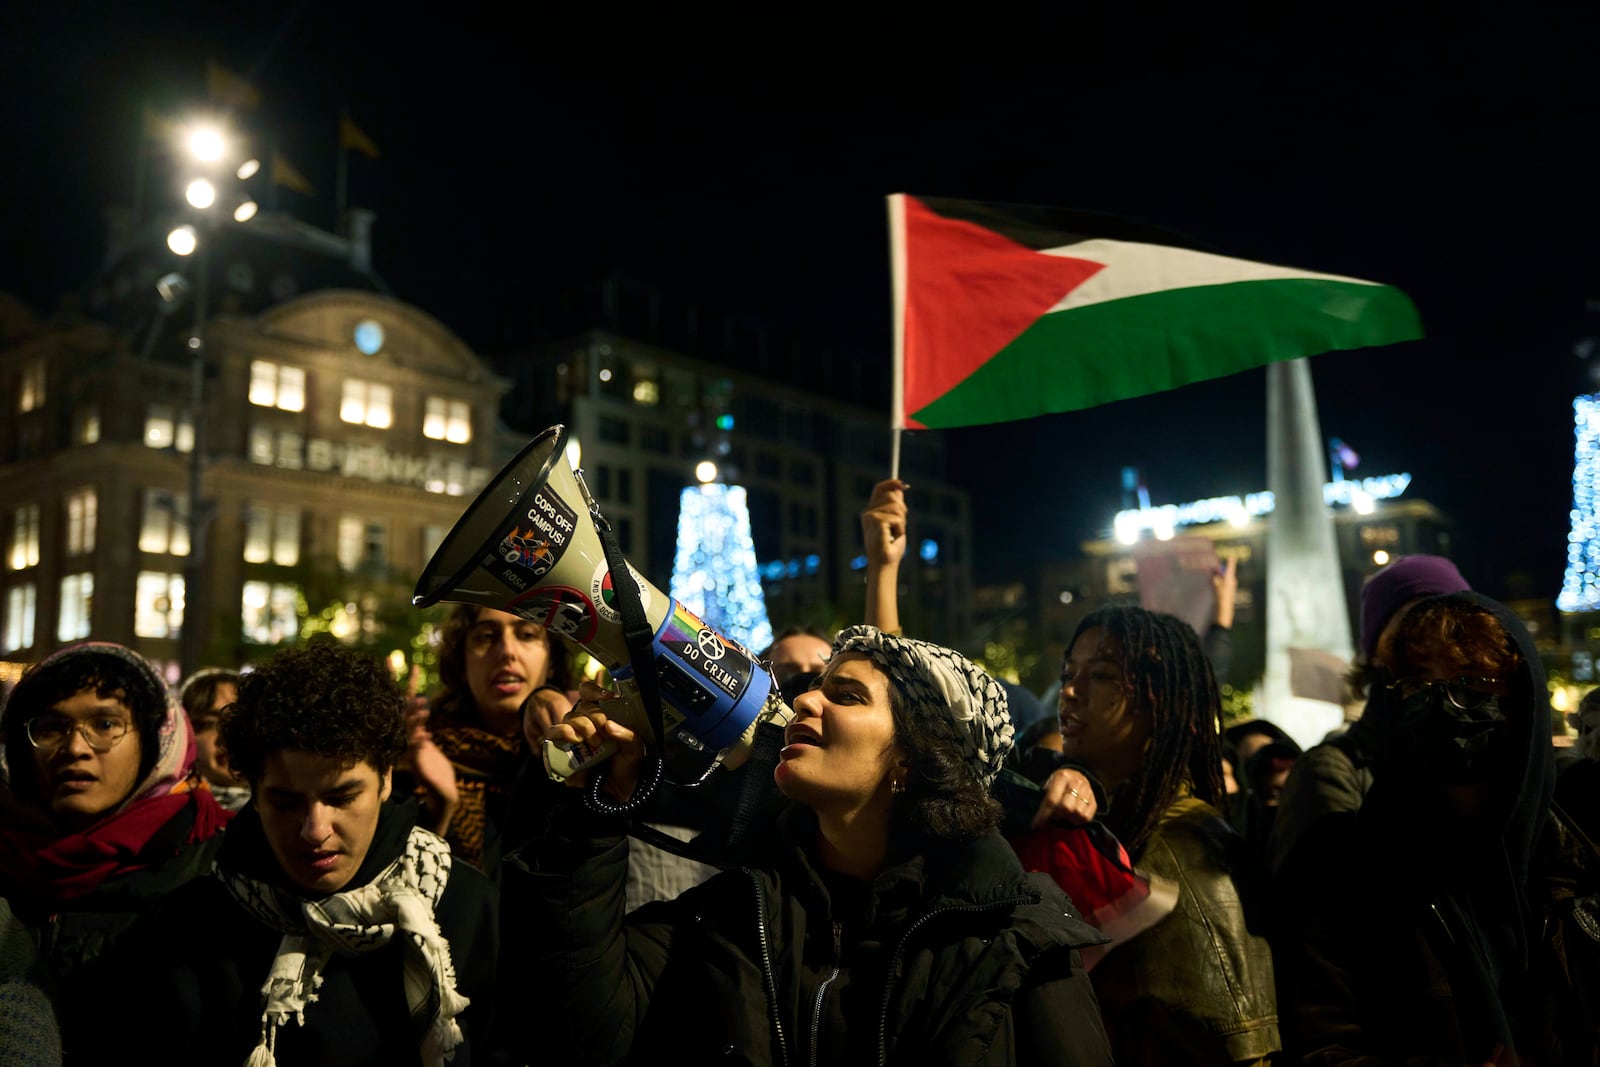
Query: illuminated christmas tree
x=714 y=573
x=1580 y=591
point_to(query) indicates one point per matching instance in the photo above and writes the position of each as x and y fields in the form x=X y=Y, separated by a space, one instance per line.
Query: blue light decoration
x=1580 y=590
x=714 y=573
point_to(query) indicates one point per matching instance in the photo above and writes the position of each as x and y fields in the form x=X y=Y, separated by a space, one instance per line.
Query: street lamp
x=206 y=146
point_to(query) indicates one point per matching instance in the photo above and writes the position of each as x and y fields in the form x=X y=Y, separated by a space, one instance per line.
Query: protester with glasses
x=1455 y=921
x=102 y=811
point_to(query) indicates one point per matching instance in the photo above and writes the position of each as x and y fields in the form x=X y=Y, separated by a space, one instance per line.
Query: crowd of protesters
x=304 y=864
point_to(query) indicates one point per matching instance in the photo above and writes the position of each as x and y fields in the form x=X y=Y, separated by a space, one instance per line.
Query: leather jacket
x=1198 y=986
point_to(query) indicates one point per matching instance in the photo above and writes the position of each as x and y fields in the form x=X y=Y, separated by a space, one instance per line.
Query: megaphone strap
x=636 y=628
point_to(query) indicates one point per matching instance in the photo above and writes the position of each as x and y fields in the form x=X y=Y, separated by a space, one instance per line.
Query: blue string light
x=1580 y=591
x=714 y=573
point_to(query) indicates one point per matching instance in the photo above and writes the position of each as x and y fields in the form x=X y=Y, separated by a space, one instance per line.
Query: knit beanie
x=943 y=690
x=1406 y=579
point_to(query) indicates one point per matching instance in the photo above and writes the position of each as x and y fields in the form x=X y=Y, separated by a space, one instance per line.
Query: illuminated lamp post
x=205 y=146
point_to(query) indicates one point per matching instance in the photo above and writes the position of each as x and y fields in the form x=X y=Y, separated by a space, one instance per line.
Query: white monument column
x=1305 y=592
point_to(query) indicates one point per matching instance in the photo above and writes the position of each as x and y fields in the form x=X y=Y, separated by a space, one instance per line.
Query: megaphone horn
x=529 y=545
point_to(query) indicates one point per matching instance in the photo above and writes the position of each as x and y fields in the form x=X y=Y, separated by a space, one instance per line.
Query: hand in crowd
x=1068 y=798
x=546 y=708
x=587 y=725
x=883 y=523
x=430 y=767
x=1225 y=583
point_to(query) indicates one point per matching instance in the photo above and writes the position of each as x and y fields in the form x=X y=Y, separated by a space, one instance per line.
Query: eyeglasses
x=1469 y=693
x=50 y=732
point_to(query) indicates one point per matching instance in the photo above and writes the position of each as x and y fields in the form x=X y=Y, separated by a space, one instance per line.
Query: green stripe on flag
x=1084 y=356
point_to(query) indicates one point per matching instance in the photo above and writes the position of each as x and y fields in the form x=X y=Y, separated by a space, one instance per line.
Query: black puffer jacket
x=953 y=956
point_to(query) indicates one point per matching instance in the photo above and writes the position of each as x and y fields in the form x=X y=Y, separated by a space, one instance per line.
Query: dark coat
x=951 y=956
x=1438 y=939
x=202 y=969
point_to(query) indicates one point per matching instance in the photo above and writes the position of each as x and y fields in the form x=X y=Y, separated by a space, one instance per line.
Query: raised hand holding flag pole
x=1007 y=311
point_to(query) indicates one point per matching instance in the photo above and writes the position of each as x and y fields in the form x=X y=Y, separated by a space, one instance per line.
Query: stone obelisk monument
x=1305 y=592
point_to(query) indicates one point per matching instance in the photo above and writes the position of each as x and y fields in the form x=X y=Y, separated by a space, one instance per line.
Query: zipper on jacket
x=899 y=950
x=822 y=991
x=766 y=965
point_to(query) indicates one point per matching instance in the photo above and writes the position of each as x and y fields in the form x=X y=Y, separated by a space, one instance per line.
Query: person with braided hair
x=883 y=920
x=1139 y=710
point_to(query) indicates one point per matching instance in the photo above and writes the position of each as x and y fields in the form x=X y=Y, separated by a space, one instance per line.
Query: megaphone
x=530 y=544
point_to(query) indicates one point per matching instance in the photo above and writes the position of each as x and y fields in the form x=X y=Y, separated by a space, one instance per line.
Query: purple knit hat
x=1406 y=579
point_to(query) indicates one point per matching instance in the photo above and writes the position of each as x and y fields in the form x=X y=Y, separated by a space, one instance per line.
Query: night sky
x=743 y=164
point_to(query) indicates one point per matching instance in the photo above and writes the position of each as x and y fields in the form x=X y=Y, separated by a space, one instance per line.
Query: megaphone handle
x=563 y=761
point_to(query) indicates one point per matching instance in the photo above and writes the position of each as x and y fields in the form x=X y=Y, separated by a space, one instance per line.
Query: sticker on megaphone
x=530 y=545
x=712 y=692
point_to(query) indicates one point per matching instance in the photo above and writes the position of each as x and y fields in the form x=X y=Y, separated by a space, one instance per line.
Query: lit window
x=21 y=603
x=81 y=508
x=454 y=482
x=77 y=605
x=447 y=420
x=164 y=527
x=25 y=537
x=158 y=427
x=30 y=397
x=164 y=428
x=158 y=604
x=272 y=535
x=646 y=393
x=86 y=425
x=362 y=543
x=271 y=612
x=273 y=385
x=366 y=404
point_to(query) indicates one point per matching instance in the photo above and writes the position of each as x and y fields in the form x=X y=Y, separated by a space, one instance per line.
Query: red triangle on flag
x=969 y=293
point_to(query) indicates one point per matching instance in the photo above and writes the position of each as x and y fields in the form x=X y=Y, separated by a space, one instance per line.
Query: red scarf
x=52 y=868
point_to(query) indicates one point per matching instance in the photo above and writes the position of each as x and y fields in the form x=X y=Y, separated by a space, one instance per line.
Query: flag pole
x=897 y=274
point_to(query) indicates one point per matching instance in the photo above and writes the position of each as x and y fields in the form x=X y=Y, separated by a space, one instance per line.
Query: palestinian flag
x=1004 y=311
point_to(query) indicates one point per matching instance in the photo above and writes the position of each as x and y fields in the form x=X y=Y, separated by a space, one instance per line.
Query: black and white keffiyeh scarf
x=943 y=688
x=401 y=899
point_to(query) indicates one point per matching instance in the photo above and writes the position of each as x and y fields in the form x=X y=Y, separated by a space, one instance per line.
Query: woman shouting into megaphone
x=883 y=921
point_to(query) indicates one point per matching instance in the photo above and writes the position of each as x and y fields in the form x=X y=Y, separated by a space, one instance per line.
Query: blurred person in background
x=468 y=746
x=206 y=695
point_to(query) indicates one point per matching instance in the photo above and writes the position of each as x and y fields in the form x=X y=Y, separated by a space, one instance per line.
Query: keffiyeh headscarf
x=399 y=901
x=943 y=689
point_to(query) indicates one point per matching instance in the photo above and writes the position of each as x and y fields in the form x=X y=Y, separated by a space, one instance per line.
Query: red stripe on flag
x=969 y=293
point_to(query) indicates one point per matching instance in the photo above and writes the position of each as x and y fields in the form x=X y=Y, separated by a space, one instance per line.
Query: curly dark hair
x=455 y=702
x=324 y=699
x=1169 y=676
x=943 y=798
x=69 y=672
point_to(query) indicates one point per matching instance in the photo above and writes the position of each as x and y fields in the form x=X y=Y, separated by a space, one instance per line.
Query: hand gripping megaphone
x=534 y=544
